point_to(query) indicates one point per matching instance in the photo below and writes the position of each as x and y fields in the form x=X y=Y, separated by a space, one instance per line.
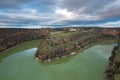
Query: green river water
x=87 y=65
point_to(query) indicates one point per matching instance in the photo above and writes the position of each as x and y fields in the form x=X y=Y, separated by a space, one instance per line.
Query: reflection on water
x=87 y=65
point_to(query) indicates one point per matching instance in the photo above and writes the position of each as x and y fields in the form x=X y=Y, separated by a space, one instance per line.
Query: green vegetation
x=117 y=59
x=61 y=34
x=45 y=47
x=58 y=61
x=117 y=56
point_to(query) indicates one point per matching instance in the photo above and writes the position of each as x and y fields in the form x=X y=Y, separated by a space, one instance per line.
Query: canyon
x=62 y=42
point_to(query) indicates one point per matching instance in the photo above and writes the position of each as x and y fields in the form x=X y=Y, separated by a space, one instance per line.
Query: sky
x=59 y=13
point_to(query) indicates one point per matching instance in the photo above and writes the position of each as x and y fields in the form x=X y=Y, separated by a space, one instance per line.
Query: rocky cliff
x=11 y=37
x=113 y=70
x=62 y=44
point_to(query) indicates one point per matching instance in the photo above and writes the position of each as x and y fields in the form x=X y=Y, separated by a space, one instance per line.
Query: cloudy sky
x=59 y=13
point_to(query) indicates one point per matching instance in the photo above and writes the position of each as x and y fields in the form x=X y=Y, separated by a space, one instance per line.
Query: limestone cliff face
x=110 y=31
x=113 y=70
x=12 y=37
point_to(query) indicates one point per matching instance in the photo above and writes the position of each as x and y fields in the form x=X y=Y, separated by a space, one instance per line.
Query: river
x=87 y=65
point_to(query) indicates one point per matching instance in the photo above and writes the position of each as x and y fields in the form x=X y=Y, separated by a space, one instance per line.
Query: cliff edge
x=113 y=70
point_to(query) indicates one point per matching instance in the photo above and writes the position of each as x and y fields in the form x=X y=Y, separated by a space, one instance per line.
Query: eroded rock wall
x=113 y=70
x=11 y=37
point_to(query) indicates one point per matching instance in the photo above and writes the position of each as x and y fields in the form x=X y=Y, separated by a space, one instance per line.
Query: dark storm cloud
x=111 y=14
x=17 y=19
x=18 y=3
x=12 y=3
x=90 y=5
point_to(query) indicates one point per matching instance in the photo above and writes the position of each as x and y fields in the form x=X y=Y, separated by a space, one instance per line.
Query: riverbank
x=113 y=69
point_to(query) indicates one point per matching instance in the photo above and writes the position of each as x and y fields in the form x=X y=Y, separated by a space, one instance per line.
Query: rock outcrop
x=113 y=70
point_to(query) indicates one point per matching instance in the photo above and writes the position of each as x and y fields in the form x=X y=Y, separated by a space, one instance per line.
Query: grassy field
x=62 y=34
